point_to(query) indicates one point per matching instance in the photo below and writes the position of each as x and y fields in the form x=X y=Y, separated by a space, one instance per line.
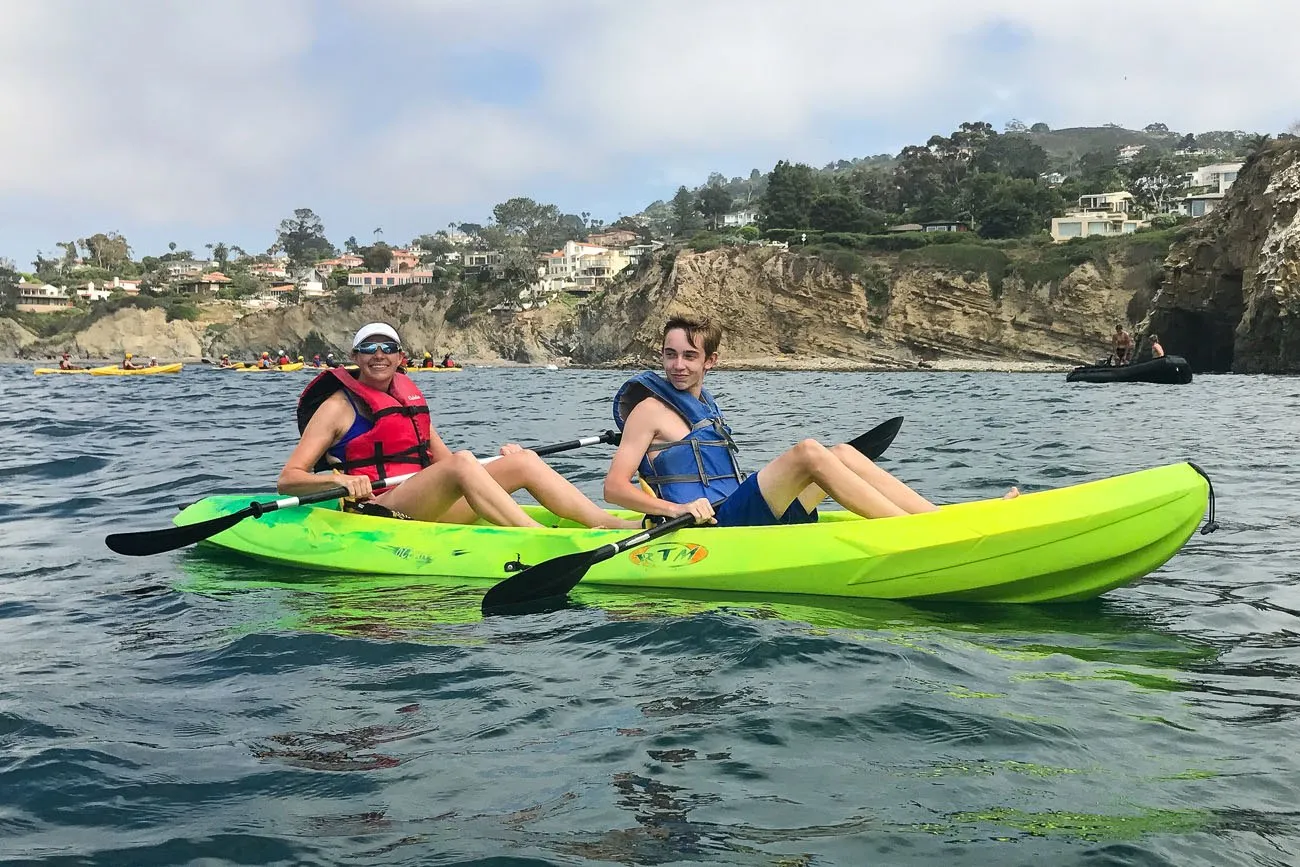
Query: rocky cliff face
x=1230 y=300
x=531 y=337
x=14 y=338
x=776 y=305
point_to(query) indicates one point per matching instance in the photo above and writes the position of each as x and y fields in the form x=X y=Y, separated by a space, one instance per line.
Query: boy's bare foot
x=1011 y=494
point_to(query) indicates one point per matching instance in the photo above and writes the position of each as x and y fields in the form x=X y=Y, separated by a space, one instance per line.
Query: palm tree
x=1255 y=143
x=378 y=232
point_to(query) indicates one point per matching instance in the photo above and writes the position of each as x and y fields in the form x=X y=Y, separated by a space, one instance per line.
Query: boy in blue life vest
x=676 y=439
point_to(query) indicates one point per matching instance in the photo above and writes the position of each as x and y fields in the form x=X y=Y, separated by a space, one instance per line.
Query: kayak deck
x=1060 y=545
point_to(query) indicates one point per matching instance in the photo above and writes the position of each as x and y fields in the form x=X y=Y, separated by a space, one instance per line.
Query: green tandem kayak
x=1060 y=545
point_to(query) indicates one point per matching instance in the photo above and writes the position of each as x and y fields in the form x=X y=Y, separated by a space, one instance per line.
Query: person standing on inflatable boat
x=373 y=423
x=676 y=438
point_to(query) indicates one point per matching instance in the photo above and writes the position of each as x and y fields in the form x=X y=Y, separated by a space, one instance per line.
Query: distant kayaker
x=1157 y=351
x=264 y=361
x=153 y=362
x=330 y=361
x=65 y=363
x=447 y=361
x=315 y=360
x=128 y=364
x=676 y=439
x=373 y=423
x=225 y=361
x=283 y=358
x=428 y=360
x=1122 y=344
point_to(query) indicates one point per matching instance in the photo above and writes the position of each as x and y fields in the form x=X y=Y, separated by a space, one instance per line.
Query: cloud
x=165 y=113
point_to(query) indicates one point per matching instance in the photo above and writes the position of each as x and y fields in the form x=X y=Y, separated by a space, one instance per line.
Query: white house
x=1098 y=214
x=1218 y=176
x=90 y=293
x=561 y=267
x=1128 y=153
x=1206 y=188
x=742 y=217
x=41 y=298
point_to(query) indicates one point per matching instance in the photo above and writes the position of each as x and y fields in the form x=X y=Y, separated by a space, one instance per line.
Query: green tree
x=1154 y=183
x=8 y=285
x=1015 y=155
x=107 y=250
x=435 y=246
x=713 y=201
x=1253 y=144
x=1187 y=142
x=1040 y=127
x=1003 y=207
x=221 y=253
x=69 y=253
x=352 y=246
x=791 y=189
x=1099 y=171
x=377 y=257
x=302 y=237
x=685 y=217
x=537 y=224
x=836 y=212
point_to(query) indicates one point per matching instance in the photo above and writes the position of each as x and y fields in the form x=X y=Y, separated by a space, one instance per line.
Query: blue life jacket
x=703 y=464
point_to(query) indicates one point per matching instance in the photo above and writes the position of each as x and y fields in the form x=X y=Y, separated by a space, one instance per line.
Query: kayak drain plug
x=515 y=565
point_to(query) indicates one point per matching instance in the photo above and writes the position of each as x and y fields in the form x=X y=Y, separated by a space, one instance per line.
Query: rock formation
x=1230 y=300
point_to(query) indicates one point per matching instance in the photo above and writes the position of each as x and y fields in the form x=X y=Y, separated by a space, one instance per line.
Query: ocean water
x=192 y=709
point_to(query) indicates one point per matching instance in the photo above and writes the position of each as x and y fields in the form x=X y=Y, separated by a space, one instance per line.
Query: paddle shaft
x=146 y=542
x=554 y=578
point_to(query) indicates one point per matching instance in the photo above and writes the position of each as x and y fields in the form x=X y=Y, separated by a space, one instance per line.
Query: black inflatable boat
x=1167 y=370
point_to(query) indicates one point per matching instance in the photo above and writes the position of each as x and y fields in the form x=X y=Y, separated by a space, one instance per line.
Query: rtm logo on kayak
x=668 y=554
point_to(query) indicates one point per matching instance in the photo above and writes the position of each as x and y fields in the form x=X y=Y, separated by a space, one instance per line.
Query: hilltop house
x=1098 y=214
x=614 y=238
x=579 y=266
x=1206 y=188
x=210 y=283
x=41 y=298
x=184 y=268
x=742 y=217
x=366 y=282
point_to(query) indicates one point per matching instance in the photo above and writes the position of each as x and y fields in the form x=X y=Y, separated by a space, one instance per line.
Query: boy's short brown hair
x=704 y=334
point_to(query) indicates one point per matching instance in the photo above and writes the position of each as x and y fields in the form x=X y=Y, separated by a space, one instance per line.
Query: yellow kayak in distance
x=41 y=371
x=455 y=369
x=114 y=370
x=275 y=368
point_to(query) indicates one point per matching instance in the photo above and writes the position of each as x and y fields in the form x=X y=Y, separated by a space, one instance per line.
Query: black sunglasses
x=387 y=347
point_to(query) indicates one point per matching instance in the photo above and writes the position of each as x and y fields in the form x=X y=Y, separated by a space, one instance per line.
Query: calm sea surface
x=184 y=709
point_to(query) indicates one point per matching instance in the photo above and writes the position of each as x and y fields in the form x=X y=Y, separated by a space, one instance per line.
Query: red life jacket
x=397 y=444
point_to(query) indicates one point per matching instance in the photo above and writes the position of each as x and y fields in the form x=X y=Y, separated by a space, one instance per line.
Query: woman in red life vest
x=373 y=423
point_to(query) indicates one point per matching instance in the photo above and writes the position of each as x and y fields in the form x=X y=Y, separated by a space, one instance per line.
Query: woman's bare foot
x=617 y=523
x=1011 y=494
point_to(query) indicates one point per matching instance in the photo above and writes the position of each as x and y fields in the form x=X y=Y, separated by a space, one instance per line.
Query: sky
x=198 y=122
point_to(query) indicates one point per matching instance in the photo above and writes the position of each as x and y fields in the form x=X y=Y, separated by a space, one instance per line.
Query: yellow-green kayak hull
x=1060 y=545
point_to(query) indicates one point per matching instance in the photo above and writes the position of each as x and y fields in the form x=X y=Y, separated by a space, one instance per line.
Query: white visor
x=372 y=331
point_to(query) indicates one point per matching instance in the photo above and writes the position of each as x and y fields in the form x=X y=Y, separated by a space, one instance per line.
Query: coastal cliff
x=780 y=308
x=1230 y=298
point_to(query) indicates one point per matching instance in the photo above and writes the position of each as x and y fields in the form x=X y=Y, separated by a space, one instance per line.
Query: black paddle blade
x=148 y=542
x=874 y=442
x=552 y=578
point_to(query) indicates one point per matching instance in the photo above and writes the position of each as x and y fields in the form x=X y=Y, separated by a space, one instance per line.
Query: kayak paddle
x=147 y=542
x=557 y=576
